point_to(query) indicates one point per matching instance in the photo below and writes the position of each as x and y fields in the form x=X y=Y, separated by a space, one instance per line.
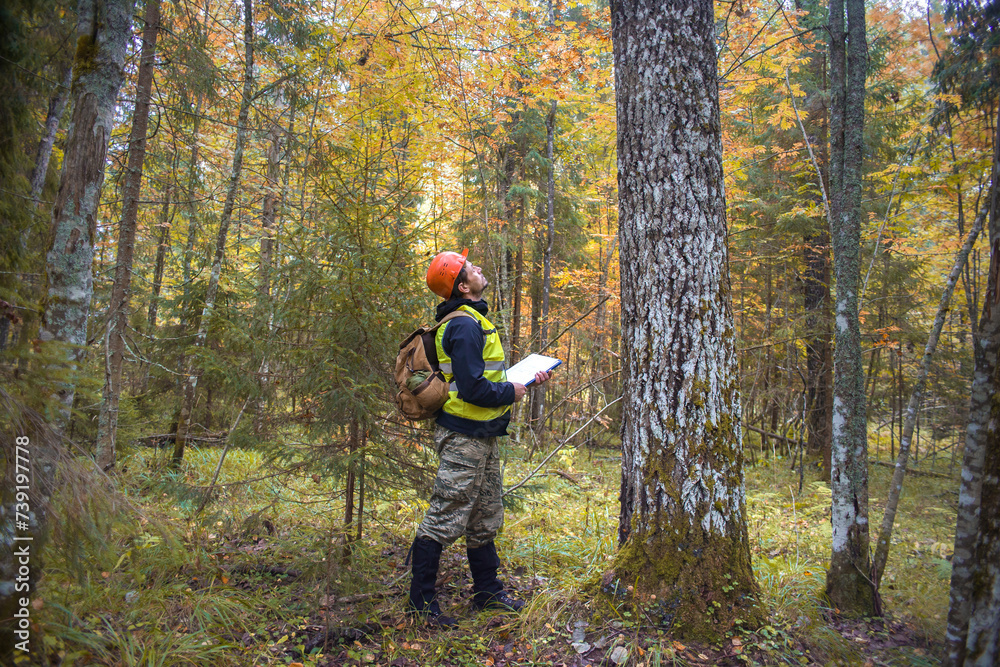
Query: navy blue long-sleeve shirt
x=463 y=341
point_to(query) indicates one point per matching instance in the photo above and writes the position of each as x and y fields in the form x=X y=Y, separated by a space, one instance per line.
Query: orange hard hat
x=443 y=271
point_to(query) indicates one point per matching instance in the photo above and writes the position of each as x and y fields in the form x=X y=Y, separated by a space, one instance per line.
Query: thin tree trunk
x=192 y=216
x=535 y=414
x=265 y=311
x=896 y=486
x=361 y=487
x=682 y=529
x=154 y=299
x=539 y=394
x=57 y=105
x=599 y=365
x=819 y=366
x=191 y=381
x=352 y=447
x=121 y=291
x=515 y=337
x=816 y=292
x=847 y=582
x=104 y=29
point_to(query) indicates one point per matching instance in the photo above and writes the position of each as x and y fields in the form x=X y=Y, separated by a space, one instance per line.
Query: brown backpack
x=422 y=387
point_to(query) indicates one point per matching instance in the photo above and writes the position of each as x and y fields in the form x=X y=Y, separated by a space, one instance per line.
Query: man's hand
x=541 y=377
x=519 y=391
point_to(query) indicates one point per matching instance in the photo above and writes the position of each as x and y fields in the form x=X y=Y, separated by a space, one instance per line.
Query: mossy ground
x=261 y=578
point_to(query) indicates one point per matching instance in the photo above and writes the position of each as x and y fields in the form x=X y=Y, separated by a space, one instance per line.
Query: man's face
x=476 y=281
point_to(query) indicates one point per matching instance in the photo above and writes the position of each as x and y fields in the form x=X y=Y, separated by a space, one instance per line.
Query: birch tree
x=682 y=529
x=847 y=581
x=104 y=29
x=974 y=613
x=971 y=69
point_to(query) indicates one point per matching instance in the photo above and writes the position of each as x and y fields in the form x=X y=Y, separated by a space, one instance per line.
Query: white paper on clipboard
x=523 y=372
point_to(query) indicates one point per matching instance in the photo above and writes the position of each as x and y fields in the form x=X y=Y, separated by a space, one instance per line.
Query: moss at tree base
x=849 y=591
x=704 y=588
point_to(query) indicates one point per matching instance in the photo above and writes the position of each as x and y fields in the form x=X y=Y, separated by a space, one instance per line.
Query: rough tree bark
x=191 y=373
x=121 y=291
x=974 y=612
x=847 y=581
x=682 y=529
x=104 y=29
x=896 y=486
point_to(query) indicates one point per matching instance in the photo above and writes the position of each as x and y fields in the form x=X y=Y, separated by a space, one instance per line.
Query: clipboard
x=523 y=372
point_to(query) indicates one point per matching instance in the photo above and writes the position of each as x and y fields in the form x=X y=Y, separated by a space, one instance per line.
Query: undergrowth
x=267 y=574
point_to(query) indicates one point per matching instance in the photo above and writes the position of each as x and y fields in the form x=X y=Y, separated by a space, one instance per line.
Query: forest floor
x=263 y=576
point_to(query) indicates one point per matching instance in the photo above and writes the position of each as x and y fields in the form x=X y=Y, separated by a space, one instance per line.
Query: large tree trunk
x=57 y=105
x=104 y=29
x=682 y=530
x=896 y=486
x=107 y=423
x=974 y=613
x=191 y=374
x=847 y=581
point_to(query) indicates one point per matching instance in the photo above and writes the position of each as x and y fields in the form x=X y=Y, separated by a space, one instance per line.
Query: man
x=466 y=496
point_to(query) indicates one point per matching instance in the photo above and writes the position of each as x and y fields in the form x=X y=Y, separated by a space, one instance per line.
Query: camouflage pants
x=466 y=497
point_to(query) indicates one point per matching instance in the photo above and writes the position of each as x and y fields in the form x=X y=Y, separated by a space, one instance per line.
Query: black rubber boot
x=423 y=600
x=488 y=592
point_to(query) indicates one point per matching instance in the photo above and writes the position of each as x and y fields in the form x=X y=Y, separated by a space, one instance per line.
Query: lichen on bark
x=682 y=529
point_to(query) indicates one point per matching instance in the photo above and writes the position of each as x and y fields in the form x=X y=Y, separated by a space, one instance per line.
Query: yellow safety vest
x=495 y=371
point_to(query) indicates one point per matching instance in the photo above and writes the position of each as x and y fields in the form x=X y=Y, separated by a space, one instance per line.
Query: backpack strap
x=450 y=316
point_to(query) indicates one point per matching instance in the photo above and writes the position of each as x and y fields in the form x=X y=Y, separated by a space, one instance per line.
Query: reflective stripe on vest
x=493 y=357
x=490 y=366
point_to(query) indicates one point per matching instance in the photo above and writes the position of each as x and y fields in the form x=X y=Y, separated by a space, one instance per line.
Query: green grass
x=263 y=571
